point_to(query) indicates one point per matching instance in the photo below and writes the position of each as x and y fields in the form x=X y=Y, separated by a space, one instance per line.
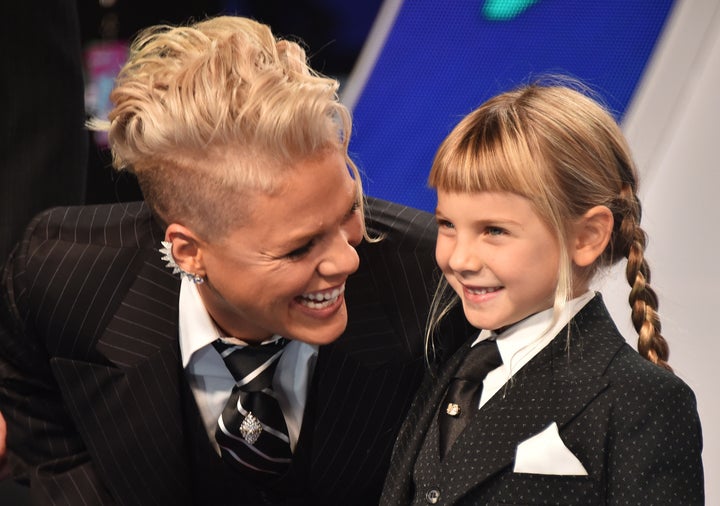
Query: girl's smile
x=497 y=255
x=479 y=295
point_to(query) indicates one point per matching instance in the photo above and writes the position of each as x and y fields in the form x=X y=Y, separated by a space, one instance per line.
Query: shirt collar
x=195 y=326
x=525 y=339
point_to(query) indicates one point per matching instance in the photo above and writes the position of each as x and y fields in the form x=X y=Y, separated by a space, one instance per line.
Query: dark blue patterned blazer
x=98 y=408
x=633 y=426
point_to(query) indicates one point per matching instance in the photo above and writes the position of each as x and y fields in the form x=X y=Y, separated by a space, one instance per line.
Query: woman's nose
x=342 y=257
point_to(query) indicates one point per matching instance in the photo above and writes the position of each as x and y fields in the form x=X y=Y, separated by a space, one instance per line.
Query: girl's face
x=497 y=254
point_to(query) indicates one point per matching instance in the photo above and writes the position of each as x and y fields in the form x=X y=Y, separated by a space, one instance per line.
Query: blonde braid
x=631 y=240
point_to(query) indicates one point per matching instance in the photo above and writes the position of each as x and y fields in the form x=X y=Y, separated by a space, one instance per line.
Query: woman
x=116 y=374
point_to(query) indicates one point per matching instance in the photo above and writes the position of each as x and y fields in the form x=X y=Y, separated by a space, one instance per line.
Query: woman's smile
x=321 y=299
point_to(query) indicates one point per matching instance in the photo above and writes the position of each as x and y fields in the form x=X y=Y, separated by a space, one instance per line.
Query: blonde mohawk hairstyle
x=206 y=112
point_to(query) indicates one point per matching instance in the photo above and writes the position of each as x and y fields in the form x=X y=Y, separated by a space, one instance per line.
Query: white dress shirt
x=212 y=383
x=522 y=341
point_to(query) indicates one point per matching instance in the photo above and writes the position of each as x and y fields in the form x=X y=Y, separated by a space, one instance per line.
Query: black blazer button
x=432 y=496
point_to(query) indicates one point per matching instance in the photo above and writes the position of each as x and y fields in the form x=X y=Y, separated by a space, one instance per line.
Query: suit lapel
x=146 y=318
x=523 y=409
x=555 y=386
x=137 y=390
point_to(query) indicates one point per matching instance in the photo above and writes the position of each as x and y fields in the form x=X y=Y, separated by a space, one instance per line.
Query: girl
x=536 y=193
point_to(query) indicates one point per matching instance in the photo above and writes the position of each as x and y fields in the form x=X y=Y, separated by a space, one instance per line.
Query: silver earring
x=166 y=251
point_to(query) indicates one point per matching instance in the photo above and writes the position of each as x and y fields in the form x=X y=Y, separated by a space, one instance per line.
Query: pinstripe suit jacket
x=97 y=403
x=633 y=426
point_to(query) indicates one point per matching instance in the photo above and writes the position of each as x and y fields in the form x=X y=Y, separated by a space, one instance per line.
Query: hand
x=4 y=468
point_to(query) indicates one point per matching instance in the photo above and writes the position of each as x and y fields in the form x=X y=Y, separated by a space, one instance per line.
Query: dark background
x=332 y=31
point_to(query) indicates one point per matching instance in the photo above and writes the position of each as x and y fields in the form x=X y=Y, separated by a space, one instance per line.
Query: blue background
x=443 y=59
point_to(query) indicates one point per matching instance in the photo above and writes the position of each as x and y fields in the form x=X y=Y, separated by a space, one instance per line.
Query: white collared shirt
x=521 y=342
x=212 y=383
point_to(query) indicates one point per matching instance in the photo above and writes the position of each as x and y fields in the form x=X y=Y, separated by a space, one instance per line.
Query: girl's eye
x=444 y=223
x=495 y=231
x=353 y=211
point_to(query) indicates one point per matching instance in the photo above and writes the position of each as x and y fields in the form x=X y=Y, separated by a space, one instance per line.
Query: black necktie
x=251 y=430
x=463 y=393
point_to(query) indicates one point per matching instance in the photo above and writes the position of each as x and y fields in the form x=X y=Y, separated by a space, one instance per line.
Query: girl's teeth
x=483 y=291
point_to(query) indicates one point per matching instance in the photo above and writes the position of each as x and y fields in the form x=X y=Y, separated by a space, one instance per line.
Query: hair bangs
x=487 y=153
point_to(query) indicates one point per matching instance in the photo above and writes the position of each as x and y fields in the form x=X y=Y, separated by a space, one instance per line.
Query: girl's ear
x=186 y=248
x=592 y=234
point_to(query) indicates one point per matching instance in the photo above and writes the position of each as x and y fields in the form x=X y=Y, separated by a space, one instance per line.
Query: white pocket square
x=545 y=453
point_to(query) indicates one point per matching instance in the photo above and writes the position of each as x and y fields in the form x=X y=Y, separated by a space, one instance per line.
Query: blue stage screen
x=443 y=59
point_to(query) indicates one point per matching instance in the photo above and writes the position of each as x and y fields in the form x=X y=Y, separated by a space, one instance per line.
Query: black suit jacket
x=633 y=426
x=97 y=403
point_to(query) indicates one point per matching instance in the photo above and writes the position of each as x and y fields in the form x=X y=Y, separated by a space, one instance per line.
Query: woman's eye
x=301 y=251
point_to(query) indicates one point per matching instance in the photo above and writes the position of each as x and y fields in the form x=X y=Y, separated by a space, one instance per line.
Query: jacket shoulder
x=631 y=372
x=128 y=224
x=400 y=255
x=70 y=260
x=399 y=224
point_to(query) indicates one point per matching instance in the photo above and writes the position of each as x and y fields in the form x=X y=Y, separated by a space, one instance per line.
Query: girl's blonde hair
x=205 y=115
x=564 y=152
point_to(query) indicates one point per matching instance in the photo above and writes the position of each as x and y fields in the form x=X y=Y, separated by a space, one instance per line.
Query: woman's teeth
x=320 y=300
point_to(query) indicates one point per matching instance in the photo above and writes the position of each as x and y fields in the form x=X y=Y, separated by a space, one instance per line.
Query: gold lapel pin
x=452 y=409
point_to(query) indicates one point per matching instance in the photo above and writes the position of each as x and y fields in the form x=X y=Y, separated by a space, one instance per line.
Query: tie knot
x=479 y=361
x=252 y=366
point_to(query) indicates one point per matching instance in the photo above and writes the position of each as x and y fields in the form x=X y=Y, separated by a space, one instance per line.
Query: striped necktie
x=251 y=430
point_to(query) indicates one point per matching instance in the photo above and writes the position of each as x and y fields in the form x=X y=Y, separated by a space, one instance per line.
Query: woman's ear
x=592 y=234
x=186 y=249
